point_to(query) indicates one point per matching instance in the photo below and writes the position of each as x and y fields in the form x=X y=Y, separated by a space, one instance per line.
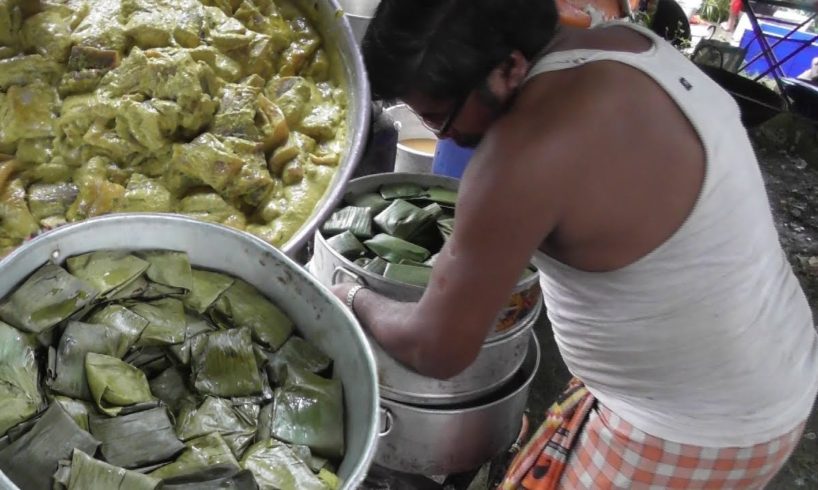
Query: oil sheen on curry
x=228 y=111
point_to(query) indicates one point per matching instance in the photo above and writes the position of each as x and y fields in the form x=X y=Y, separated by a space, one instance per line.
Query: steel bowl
x=321 y=318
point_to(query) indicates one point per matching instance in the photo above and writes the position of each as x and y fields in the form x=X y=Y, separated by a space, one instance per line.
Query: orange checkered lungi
x=583 y=445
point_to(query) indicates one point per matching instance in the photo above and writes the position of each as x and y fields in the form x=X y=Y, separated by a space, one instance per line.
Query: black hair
x=445 y=48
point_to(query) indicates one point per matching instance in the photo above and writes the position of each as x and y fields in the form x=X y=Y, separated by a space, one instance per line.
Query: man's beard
x=497 y=108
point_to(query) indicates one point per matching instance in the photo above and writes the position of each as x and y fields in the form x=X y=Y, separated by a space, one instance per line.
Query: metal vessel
x=448 y=440
x=320 y=317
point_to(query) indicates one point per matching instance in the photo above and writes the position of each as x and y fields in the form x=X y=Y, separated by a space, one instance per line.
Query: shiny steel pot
x=434 y=441
x=359 y=13
x=409 y=126
x=497 y=363
x=320 y=317
x=340 y=43
x=331 y=268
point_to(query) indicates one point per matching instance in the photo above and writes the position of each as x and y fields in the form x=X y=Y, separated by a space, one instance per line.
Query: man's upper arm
x=509 y=202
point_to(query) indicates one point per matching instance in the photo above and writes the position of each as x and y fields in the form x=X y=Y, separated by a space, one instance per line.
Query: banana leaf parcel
x=348 y=245
x=299 y=353
x=20 y=396
x=107 y=271
x=217 y=415
x=31 y=460
x=195 y=326
x=402 y=219
x=170 y=269
x=356 y=220
x=393 y=249
x=115 y=384
x=243 y=306
x=207 y=287
x=138 y=439
x=166 y=321
x=276 y=467
x=46 y=298
x=170 y=386
x=127 y=323
x=78 y=410
x=199 y=454
x=78 y=340
x=224 y=364
x=309 y=411
x=88 y=473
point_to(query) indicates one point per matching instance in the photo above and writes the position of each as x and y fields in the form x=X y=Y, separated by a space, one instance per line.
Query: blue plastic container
x=450 y=159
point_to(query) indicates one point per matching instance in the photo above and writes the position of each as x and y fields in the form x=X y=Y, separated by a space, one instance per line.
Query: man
x=625 y=173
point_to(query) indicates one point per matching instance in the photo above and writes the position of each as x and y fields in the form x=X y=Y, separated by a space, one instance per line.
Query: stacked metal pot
x=437 y=427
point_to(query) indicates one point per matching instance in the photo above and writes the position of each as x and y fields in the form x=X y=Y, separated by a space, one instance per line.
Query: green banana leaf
x=62 y=477
x=30 y=461
x=224 y=364
x=393 y=249
x=356 y=220
x=20 y=396
x=88 y=473
x=77 y=409
x=309 y=411
x=216 y=477
x=78 y=340
x=127 y=323
x=304 y=454
x=199 y=454
x=169 y=269
x=150 y=360
x=441 y=195
x=402 y=191
x=46 y=298
x=114 y=383
x=276 y=467
x=446 y=227
x=299 y=353
x=417 y=275
x=166 y=321
x=195 y=325
x=243 y=306
x=107 y=270
x=402 y=219
x=207 y=287
x=264 y=429
x=376 y=266
x=171 y=388
x=138 y=439
x=217 y=415
x=134 y=289
x=434 y=209
x=373 y=201
x=347 y=245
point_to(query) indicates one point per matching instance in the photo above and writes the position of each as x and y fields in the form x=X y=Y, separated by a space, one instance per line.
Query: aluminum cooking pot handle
x=387 y=421
x=341 y=271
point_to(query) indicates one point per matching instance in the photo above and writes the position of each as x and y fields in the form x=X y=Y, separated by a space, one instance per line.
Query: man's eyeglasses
x=446 y=124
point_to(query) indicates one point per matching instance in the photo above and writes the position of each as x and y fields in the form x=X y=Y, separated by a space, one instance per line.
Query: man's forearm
x=397 y=328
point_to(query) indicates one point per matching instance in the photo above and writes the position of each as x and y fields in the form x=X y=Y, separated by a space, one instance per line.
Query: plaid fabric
x=539 y=465
x=612 y=454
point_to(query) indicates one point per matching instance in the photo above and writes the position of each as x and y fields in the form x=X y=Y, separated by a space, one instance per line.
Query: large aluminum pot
x=331 y=268
x=359 y=13
x=433 y=441
x=320 y=317
x=340 y=43
x=497 y=363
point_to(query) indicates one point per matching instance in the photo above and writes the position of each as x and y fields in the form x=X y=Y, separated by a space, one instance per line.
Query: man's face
x=464 y=120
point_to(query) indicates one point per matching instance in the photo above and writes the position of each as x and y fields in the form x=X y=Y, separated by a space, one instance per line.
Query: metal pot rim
x=361 y=466
x=358 y=90
x=461 y=410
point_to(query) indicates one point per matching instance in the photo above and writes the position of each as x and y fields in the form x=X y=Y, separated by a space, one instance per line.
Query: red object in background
x=736 y=7
x=572 y=12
